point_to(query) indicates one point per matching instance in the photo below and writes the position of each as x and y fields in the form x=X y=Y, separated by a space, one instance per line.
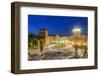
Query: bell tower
x=43 y=34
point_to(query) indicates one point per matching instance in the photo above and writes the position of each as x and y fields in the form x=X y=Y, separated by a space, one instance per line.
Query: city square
x=61 y=43
x=60 y=47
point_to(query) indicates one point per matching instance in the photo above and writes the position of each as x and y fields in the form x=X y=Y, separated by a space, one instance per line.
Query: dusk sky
x=61 y=25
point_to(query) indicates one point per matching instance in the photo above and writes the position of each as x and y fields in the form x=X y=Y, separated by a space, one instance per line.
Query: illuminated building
x=76 y=37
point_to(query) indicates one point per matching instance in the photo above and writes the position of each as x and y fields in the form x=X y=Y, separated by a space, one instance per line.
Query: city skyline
x=61 y=25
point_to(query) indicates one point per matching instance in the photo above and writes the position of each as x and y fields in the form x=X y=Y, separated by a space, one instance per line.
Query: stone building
x=76 y=37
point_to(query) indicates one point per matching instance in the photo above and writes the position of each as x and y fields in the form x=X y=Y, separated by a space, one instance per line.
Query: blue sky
x=61 y=25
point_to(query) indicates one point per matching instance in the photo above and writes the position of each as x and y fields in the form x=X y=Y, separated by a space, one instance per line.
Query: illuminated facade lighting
x=76 y=30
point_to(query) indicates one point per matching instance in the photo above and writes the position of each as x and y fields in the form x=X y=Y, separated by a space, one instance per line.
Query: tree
x=32 y=40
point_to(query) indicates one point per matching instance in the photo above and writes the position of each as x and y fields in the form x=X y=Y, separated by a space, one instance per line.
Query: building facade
x=75 y=38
